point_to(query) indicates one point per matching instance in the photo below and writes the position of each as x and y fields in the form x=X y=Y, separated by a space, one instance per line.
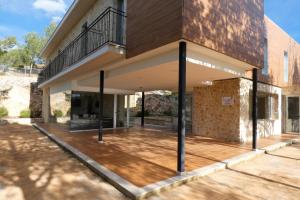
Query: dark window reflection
x=85 y=111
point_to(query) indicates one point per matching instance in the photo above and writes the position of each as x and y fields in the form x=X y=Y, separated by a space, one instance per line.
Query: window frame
x=286 y=67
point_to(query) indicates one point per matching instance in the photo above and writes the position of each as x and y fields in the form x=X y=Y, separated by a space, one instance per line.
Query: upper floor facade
x=281 y=57
x=234 y=28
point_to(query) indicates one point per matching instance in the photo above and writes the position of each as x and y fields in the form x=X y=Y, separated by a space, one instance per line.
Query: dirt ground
x=34 y=168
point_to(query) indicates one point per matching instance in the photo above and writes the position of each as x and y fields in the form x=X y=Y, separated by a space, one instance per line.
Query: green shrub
x=25 y=113
x=68 y=112
x=146 y=113
x=58 y=113
x=3 y=112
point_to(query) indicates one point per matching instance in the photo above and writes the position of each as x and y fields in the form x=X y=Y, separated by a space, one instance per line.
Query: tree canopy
x=15 y=54
x=7 y=44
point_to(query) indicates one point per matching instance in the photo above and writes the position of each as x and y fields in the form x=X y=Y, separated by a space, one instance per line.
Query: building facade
x=103 y=51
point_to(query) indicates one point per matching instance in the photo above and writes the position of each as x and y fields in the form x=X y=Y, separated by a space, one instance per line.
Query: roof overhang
x=76 y=11
x=99 y=58
x=160 y=71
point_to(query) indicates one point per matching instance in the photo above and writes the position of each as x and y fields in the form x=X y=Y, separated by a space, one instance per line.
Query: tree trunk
x=30 y=70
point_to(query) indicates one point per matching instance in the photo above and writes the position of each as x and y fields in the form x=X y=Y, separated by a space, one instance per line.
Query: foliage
x=68 y=112
x=4 y=93
x=58 y=113
x=25 y=113
x=7 y=44
x=14 y=58
x=32 y=48
x=3 y=112
x=146 y=113
x=49 y=30
x=168 y=112
x=14 y=54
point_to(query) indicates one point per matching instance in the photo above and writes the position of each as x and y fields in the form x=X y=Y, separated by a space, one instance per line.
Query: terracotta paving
x=274 y=176
x=145 y=156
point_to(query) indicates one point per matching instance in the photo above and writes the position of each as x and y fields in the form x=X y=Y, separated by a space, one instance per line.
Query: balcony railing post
x=107 y=27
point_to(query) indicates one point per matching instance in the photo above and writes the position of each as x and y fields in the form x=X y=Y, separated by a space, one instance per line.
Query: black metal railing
x=109 y=27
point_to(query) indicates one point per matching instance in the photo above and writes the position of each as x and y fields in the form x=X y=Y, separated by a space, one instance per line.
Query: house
x=240 y=67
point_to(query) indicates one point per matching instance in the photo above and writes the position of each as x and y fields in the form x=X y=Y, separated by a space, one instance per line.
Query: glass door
x=293 y=115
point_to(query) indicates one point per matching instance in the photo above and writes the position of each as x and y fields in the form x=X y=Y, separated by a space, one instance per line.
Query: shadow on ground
x=32 y=167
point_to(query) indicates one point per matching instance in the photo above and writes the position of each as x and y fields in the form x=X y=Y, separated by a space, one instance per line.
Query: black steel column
x=101 y=86
x=181 y=107
x=143 y=110
x=254 y=109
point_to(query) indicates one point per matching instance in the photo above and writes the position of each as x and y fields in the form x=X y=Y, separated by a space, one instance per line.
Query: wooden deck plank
x=144 y=156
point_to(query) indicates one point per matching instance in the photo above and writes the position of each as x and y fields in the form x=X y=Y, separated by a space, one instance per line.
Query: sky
x=286 y=14
x=18 y=17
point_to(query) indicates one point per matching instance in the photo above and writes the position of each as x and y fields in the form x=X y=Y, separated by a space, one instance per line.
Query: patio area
x=145 y=156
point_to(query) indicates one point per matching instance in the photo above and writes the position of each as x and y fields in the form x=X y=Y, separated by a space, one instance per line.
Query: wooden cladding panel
x=232 y=27
x=151 y=24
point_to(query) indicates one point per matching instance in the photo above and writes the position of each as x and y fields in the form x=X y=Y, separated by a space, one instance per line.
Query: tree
x=14 y=57
x=32 y=48
x=28 y=54
x=7 y=44
x=49 y=30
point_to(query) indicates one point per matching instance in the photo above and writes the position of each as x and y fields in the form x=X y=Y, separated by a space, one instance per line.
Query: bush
x=25 y=113
x=58 y=113
x=68 y=112
x=168 y=113
x=146 y=113
x=3 y=112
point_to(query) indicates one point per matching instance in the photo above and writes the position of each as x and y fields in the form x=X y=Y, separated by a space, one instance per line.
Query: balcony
x=108 y=28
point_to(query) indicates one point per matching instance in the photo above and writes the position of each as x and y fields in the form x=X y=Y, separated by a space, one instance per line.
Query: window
x=286 y=67
x=267 y=106
x=265 y=70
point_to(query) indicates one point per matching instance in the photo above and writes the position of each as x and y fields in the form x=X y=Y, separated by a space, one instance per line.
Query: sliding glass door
x=293 y=114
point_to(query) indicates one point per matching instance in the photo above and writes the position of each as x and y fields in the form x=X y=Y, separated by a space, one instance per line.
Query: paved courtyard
x=274 y=176
x=32 y=167
x=145 y=156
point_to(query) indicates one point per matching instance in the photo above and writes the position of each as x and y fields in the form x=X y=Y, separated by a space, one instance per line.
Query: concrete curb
x=277 y=146
x=135 y=192
x=242 y=158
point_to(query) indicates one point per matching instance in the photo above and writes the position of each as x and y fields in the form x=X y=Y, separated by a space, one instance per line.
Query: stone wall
x=223 y=111
x=211 y=118
x=22 y=93
x=36 y=100
x=265 y=127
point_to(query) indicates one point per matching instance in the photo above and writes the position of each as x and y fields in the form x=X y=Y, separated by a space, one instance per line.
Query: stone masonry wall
x=22 y=93
x=213 y=119
x=232 y=121
x=265 y=127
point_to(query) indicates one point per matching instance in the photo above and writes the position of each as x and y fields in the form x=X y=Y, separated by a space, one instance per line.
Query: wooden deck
x=145 y=156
